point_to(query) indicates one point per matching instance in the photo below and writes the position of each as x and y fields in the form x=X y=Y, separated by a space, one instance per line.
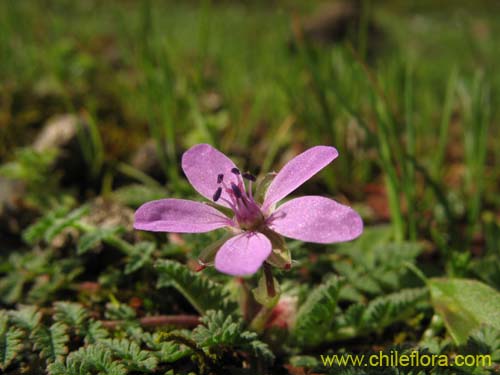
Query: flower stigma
x=247 y=212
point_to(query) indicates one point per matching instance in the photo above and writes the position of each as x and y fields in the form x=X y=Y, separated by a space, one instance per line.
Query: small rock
x=59 y=132
x=106 y=213
x=211 y=102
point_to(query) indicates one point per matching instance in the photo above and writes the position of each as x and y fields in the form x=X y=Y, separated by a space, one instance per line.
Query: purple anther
x=249 y=177
x=217 y=194
x=220 y=178
x=236 y=190
x=236 y=171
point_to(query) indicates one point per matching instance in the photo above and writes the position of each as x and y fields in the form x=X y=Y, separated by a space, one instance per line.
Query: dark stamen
x=217 y=194
x=236 y=190
x=249 y=176
x=220 y=178
x=236 y=171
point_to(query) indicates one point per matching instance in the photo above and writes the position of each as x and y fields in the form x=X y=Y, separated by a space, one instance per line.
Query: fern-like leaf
x=10 y=341
x=71 y=314
x=388 y=309
x=62 y=223
x=315 y=316
x=26 y=317
x=141 y=256
x=93 y=238
x=51 y=341
x=222 y=330
x=131 y=354
x=36 y=231
x=165 y=351
x=95 y=332
x=91 y=359
x=201 y=292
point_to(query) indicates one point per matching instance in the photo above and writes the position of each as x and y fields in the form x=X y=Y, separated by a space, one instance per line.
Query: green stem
x=258 y=323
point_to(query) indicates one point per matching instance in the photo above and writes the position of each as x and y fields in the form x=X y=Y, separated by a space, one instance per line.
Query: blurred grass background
x=408 y=93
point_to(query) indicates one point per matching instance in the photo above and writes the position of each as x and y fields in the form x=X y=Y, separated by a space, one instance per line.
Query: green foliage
x=119 y=311
x=51 y=341
x=141 y=256
x=29 y=165
x=92 y=358
x=360 y=320
x=128 y=349
x=71 y=321
x=36 y=232
x=316 y=314
x=165 y=351
x=223 y=331
x=53 y=224
x=321 y=310
x=485 y=340
x=131 y=354
x=71 y=314
x=10 y=342
x=35 y=276
x=26 y=317
x=201 y=292
x=33 y=169
x=465 y=305
x=386 y=310
x=93 y=238
x=374 y=264
x=78 y=322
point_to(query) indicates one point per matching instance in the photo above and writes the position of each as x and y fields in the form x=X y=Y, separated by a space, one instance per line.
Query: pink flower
x=254 y=224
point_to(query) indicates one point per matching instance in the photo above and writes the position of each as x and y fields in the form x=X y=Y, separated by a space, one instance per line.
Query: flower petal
x=316 y=219
x=243 y=254
x=179 y=215
x=297 y=171
x=202 y=164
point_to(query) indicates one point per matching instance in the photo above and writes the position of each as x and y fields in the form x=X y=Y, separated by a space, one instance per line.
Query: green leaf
x=165 y=351
x=36 y=231
x=220 y=329
x=465 y=305
x=132 y=355
x=201 y=292
x=60 y=224
x=10 y=341
x=94 y=238
x=71 y=314
x=386 y=310
x=141 y=256
x=171 y=352
x=217 y=329
x=95 y=332
x=315 y=316
x=26 y=318
x=51 y=342
x=11 y=287
x=92 y=359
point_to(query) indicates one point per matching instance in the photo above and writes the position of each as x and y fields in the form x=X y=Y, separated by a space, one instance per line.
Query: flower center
x=247 y=211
